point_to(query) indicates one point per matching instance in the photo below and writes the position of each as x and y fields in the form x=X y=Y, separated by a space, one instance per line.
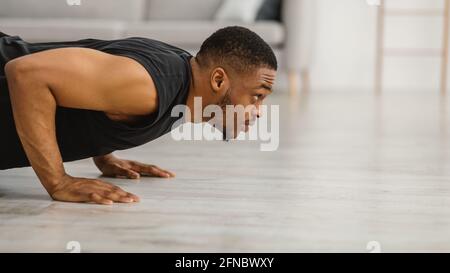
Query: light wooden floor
x=350 y=169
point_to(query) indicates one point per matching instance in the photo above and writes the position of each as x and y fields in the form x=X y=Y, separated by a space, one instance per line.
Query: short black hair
x=237 y=48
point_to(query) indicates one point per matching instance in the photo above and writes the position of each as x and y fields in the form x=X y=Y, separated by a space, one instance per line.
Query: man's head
x=238 y=68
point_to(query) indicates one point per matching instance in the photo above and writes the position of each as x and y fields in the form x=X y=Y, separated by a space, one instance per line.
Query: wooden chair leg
x=298 y=82
x=305 y=80
x=294 y=83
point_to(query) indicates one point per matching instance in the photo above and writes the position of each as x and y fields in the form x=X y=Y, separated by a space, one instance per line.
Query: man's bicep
x=90 y=79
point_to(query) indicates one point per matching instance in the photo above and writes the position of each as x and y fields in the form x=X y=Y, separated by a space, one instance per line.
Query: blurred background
x=184 y=23
x=363 y=134
x=321 y=44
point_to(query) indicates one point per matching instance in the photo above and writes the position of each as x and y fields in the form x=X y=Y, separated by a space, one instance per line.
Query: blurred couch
x=184 y=23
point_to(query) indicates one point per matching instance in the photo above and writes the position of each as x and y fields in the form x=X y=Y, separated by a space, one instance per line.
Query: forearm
x=34 y=108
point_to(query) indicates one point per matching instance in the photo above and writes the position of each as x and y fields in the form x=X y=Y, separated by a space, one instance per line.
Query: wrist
x=55 y=184
x=104 y=158
x=99 y=160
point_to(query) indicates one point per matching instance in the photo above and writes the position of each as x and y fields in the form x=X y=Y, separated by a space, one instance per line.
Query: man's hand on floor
x=112 y=166
x=75 y=189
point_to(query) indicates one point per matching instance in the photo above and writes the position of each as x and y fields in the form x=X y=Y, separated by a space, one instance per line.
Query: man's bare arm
x=75 y=78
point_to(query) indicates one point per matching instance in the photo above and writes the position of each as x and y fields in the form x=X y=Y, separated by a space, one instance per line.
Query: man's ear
x=220 y=82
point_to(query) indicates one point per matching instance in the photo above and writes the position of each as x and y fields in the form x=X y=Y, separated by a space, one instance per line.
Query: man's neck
x=195 y=89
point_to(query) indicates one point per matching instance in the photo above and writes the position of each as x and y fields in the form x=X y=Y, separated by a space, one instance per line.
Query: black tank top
x=86 y=133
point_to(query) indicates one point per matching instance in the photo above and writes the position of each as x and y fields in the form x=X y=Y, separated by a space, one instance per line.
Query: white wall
x=344 y=51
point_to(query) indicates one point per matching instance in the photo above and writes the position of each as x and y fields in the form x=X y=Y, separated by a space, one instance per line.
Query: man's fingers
x=95 y=197
x=126 y=200
x=158 y=172
x=171 y=174
x=125 y=195
x=126 y=173
x=153 y=171
x=118 y=197
x=133 y=196
x=114 y=196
